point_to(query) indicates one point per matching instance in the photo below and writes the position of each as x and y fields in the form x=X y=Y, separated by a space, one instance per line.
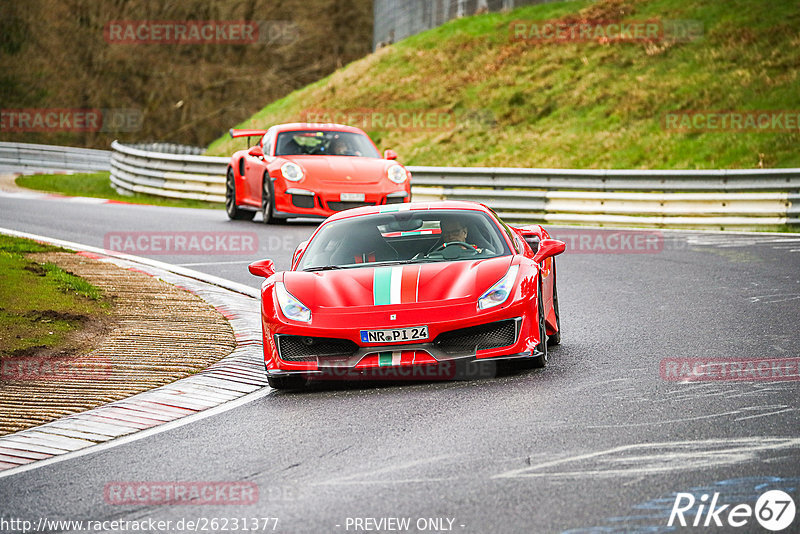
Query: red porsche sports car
x=407 y=286
x=311 y=170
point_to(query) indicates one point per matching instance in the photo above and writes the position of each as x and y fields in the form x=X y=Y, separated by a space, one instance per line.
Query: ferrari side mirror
x=549 y=248
x=265 y=268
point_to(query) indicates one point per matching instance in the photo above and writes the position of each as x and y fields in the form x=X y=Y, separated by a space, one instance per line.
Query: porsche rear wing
x=246 y=133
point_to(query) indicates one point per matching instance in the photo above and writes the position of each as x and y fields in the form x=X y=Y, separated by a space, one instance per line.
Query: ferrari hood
x=343 y=169
x=422 y=283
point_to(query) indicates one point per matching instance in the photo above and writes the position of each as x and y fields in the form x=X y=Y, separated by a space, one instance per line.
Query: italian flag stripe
x=386 y=359
x=381 y=285
x=397 y=278
x=391 y=208
x=395 y=285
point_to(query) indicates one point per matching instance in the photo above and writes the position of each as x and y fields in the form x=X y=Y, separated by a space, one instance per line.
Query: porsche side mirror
x=389 y=154
x=265 y=268
x=549 y=248
x=256 y=152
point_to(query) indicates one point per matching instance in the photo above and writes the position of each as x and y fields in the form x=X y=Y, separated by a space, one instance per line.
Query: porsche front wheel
x=234 y=212
x=268 y=202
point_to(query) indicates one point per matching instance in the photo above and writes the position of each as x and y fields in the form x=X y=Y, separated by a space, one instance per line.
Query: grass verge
x=98 y=185
x=41 y=304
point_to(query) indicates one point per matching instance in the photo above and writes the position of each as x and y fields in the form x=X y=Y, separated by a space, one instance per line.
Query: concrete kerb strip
x=236 y=379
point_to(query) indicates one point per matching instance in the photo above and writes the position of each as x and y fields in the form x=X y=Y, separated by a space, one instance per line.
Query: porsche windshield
x=324 y=143
x=411 y=236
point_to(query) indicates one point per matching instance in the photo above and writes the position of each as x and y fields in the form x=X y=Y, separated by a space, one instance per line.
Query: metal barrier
x=757 y=198
x=167 y=175
x=698 y=199
x=28 y=158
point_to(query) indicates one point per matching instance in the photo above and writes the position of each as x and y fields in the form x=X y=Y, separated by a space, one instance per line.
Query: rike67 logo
x=774 y=510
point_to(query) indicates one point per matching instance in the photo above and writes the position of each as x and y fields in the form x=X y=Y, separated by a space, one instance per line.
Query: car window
x=411 y=236
x=268 y=146
x=324 y=143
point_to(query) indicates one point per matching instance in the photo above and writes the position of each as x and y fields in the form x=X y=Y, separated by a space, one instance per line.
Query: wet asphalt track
x=596 y=442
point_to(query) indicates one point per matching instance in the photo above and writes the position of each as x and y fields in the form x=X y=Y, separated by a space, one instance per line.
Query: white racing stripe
x=397 y=278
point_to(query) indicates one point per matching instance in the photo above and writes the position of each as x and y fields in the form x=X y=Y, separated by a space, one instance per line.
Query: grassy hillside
x=575 y=105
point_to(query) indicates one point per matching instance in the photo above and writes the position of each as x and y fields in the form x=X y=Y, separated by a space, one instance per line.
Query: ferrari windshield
x=410 y=236
x=324 y=143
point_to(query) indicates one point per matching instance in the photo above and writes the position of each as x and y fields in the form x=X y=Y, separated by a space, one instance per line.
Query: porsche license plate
x=352 y=197
x=394 y=335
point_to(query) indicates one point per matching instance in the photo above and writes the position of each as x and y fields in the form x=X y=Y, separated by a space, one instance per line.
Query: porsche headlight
x=397 y=174
x=291 y=307
x=500 y=291
x=292 y=171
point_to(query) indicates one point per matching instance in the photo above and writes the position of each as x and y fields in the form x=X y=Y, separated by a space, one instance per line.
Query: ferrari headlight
x=292 y=171
x=397 y=174
x=499 y=292
x=291 y=307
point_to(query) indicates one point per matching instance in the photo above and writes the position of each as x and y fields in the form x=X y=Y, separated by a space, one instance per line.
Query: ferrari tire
x=555 y=339
x=234 y=212
x=540 y=361
x=286 y=382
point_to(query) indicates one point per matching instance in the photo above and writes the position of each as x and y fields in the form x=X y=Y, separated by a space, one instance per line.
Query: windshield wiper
x=323 y=268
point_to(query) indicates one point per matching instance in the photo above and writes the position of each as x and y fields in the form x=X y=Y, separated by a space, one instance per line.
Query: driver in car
x=340 y=147
x=455 y=231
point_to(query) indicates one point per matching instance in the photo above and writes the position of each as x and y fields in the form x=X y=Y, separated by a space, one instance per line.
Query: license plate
x=352 y=197
x=394 y=335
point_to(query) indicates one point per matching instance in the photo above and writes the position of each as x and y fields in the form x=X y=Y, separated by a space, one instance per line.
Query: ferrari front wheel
x=540 y=360
x=233 y=211
x=555 y=339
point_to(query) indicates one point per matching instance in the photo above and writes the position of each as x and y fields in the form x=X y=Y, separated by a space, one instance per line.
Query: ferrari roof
x=414 y=206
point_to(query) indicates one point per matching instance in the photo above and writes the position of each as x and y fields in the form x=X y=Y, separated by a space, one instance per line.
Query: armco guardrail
x=710 y=199
x=168 y=175
x=713 y=198
x=29 y=158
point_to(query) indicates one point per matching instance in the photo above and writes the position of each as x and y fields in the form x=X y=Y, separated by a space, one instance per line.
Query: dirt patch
x=154 y=335
x=8 y=183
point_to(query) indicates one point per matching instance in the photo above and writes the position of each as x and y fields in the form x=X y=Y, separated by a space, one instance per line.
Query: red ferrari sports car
x=407 y=286
x=311 y=170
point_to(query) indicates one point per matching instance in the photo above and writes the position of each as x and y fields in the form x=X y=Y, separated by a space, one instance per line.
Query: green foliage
x=40 y=304
x=574 y=105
